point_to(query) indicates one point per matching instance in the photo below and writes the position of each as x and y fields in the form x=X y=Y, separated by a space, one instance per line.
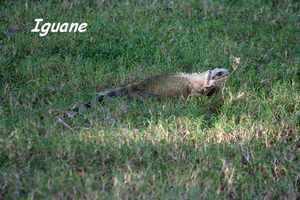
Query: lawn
x=243 y=143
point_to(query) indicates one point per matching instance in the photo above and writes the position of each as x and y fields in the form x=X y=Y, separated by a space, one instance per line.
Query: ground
x=241 y=144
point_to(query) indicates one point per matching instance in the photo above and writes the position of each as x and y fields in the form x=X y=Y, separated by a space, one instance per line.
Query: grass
x=241 y=144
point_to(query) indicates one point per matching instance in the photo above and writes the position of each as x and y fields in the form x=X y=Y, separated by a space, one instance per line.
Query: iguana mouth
x=222 y=77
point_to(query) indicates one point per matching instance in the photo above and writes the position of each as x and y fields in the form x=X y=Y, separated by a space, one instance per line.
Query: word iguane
x=172 y=85
x=58 y=27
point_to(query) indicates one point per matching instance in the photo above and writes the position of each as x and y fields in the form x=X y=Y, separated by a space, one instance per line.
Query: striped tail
x=122 y=91
x=117 y=92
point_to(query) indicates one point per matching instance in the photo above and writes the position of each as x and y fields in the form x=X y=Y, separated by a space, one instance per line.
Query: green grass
x=241 y=144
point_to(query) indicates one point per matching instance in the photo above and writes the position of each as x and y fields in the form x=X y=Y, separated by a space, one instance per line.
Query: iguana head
x=215 y=79
x=208 y=82
x=217 y=76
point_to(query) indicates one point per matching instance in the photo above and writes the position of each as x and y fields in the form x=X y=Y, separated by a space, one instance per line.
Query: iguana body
x=172 y=85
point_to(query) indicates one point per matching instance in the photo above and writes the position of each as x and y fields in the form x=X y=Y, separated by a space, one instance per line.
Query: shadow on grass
x=140 y=114
x=141 y=165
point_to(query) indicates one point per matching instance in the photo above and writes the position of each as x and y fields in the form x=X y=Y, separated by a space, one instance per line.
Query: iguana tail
x=117 y=92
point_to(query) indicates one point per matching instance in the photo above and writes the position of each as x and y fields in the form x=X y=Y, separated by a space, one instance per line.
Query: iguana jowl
x=172 y=85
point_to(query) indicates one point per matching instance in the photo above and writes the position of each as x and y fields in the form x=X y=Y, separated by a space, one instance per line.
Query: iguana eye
x=219 y=74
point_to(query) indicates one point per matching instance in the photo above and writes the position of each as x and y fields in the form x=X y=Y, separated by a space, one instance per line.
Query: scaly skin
x=173 y=85
x=184 y=85
x=162 y=86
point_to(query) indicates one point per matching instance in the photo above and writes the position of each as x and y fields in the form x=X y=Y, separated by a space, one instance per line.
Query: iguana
x=171 y=85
